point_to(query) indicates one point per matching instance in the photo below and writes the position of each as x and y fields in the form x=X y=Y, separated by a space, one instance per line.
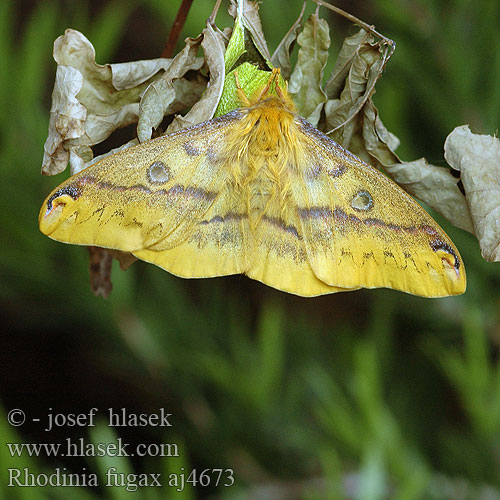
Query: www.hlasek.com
x=113 y=478
x=81 y=448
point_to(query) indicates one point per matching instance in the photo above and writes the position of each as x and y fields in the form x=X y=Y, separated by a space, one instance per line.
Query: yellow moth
x=257 y=191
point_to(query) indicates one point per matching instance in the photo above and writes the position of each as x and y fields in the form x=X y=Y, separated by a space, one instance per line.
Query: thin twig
x=213 y=15
x=359 y=22
x=180 y=19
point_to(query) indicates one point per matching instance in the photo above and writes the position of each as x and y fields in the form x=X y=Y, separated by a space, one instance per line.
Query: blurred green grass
x=366 y=395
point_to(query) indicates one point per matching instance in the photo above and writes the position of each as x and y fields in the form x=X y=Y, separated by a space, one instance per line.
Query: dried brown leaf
x=353 y=120
x=281 y=56
x=477 y=157
x=361 y=64
x=213 y=48
x=162 y=97
x=305 y=80
x=348 y=52
x=90 y=100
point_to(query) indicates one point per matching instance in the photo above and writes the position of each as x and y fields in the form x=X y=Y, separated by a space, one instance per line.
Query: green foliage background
x=366 y=395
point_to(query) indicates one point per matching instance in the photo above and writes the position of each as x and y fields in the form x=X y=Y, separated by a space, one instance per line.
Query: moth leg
x=240 y=92
x=274 y=77
x=282 y=95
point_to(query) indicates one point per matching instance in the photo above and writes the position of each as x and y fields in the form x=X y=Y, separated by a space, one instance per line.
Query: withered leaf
x=477 y=157
x=204 y=108
x=162 y=97
x=90 y=100
x=361 y=65
x=348 y=51
x=352 y=119
x=281 y=56
x=306 y=77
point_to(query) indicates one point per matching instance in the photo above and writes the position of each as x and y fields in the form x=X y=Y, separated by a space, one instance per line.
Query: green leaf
x=236 y=46
x=247 y=54
x=251 y=80
x=250 y=43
